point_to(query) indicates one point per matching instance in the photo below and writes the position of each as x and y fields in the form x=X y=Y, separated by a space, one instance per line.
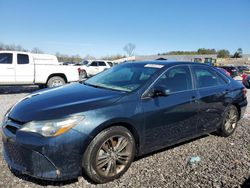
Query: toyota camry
x=99 y=126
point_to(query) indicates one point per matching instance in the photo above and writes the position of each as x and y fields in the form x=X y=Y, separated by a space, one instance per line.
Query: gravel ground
x=224 y=162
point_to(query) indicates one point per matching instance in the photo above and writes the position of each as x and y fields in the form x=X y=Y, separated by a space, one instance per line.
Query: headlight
x=52 y=127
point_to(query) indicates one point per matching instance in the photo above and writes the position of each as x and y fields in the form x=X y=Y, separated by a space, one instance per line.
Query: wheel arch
x=57 y=74
x=125 y=124
x=238 y=109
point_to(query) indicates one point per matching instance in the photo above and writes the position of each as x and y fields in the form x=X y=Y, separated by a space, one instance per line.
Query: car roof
x=168 y=63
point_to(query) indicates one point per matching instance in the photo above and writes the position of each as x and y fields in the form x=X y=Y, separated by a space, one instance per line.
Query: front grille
x=29 y=161
x=18 y=154
x=13 y=125
x=12 y=129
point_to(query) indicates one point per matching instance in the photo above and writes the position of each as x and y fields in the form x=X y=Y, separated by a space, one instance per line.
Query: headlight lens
x=52 y=127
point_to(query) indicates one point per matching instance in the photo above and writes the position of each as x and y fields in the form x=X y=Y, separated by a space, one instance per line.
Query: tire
x=230 y=120
x=55 y=81
x=83 y=74
x=116 y=147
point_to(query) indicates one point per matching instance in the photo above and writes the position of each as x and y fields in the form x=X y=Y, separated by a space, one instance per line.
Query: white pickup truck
x=23 y=68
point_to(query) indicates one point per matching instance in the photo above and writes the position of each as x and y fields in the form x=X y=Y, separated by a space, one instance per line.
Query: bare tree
x=36 y=51
x=89 y=57
x=129 y=49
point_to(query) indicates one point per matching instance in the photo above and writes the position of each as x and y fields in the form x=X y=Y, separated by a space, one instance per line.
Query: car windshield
x=84 y=62
x=126 y=77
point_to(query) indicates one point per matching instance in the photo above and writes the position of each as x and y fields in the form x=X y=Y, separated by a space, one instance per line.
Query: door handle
x=10 y=68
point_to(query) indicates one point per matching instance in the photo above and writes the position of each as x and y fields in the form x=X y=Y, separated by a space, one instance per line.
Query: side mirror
x=156 y=92
x=161 y=91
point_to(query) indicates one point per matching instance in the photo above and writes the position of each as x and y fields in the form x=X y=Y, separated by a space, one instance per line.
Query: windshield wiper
x=92 y=85
x=106 y=87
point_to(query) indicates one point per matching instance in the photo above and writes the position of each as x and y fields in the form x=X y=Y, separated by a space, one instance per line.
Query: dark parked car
x=232 y=70
x=224 y=71
x=98 y=127
x=242 y=69
x=246 y=80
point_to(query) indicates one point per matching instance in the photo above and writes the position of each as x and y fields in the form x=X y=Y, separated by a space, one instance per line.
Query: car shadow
x=17 y=89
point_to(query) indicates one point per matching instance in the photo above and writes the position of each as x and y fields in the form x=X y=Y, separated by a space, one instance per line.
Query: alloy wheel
x=56 y=83
x=231 y=120
x=113 y=156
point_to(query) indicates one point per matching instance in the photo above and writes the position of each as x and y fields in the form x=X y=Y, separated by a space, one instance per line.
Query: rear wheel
x=230 y=121
x=109 y=155
x=55 y=81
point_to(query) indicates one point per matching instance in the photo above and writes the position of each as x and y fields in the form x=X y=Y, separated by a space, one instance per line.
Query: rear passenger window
x=222 y=81
x=206 y=77
x=22 y=59
x=5 y=58
x=176 y=79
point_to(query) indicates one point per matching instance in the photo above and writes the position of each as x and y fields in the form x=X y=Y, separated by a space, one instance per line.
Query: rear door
x=7 y=68
x=213 y=89
x=24 y=69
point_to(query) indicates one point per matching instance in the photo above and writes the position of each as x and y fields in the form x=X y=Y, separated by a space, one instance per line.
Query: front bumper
x=54 y=158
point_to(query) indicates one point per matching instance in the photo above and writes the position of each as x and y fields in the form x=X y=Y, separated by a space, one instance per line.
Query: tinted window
x=22 y=59
x=84 y=62
x=5 y=58
x=176 y=79
x=101 y=63
x=222 y=77
x=206 y=77
x=94 y=63
x=110 y=64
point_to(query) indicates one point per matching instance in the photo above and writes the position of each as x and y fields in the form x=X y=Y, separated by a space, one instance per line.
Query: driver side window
x=176 y=79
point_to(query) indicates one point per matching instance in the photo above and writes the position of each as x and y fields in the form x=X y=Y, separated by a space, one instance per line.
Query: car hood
x=61 y=101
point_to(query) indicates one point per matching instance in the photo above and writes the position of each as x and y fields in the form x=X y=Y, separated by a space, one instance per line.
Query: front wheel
x=230 y=121
x=109 y=155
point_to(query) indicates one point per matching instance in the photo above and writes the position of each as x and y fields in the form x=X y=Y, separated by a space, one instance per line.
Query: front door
x=172 y=118
x=7 y=69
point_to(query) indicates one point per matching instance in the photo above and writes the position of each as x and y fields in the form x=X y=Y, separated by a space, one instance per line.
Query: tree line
x=129 y=49
x=223 y=53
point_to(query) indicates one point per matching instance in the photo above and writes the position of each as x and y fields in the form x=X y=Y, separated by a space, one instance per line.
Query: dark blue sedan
x=98 y=127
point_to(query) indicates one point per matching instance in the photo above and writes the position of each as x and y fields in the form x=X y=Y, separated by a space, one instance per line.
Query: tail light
x=79 y=70
x=244 y=76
